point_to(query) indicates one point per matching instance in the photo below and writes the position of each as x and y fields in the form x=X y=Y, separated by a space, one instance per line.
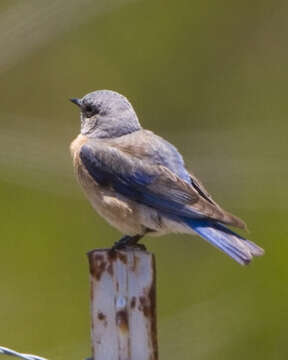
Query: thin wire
x=6 y=351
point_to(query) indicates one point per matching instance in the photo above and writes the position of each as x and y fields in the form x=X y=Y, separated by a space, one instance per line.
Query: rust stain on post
x=112 y=255
x=97 y=265
x=123 y=305
x=122 y=320
x=133 y=302
x=122 y=257
x=144 y=305
x=101 y=316
x=135 y=263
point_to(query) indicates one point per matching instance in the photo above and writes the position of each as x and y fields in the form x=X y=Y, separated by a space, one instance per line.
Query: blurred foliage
x=211 y=77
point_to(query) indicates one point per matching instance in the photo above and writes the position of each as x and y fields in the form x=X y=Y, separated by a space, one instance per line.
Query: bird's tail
x=238 y=248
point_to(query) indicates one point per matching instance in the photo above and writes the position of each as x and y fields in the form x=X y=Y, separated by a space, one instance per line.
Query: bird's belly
x=117 y=213
x=115 y=209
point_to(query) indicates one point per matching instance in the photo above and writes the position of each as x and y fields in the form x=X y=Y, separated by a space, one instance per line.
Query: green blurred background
x=209 y=76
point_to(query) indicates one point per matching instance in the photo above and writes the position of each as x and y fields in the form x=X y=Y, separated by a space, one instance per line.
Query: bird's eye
x=88 y=108
x=91 y=110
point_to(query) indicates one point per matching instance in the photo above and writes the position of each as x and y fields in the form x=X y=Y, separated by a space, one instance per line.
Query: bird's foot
x=129 y=242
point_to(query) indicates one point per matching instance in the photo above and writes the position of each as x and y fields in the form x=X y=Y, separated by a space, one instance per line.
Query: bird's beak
x=76 y=101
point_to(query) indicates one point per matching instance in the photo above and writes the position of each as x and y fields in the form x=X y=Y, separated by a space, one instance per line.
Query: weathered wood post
x=123 y=305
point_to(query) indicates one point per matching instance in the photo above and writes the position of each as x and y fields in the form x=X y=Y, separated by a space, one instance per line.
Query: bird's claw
x=128 y=243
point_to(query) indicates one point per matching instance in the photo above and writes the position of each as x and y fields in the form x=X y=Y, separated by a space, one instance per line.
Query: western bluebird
x=138 y=181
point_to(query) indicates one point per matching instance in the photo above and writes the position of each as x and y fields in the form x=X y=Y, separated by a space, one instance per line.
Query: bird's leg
x=129 y=241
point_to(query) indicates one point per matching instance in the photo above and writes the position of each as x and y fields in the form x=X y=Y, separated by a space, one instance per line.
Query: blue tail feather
x=237 y=247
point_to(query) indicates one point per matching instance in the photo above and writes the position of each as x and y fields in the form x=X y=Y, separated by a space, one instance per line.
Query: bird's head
x=106 y=114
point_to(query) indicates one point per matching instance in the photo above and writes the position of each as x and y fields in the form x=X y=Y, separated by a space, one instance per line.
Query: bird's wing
x=152 y=185
x=200 y=188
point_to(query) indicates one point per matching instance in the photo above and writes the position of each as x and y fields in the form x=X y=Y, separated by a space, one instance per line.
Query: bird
x=139 y=183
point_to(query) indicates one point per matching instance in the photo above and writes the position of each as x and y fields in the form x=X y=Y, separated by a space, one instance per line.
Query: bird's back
x=146 y=146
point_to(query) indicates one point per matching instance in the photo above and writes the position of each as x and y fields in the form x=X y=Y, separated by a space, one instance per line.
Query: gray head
x=106 y=114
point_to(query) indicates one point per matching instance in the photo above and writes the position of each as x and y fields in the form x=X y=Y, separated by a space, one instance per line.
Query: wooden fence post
x=123 y=305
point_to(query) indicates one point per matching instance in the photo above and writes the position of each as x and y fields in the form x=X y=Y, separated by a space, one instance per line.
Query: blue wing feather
x=234 y=245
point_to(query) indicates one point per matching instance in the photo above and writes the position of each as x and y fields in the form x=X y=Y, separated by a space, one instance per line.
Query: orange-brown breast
x=76 y=144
